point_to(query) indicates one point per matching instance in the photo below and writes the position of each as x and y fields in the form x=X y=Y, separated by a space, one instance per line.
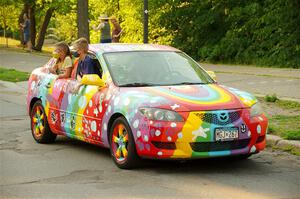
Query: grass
x=11 y=42
x=13 y=75
x=15 y=44
x=288 y=104
x=285 y=104
x=285 y=124
x=287 y=127
x=290 y=149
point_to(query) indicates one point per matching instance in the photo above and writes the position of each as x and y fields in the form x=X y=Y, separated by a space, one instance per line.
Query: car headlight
x=161 y=114
x=256 y=110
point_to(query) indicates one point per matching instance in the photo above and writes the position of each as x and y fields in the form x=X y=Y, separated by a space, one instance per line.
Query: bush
x=244 y=32
x=271 y=98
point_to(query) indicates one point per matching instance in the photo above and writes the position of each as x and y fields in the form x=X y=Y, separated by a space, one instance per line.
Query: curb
x=279 y=143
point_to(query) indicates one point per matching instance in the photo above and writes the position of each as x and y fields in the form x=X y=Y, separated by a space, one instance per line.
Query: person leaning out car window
x=63 y=66
x=85 y=63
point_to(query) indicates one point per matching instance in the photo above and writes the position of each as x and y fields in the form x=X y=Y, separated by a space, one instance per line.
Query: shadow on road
x=255 y=164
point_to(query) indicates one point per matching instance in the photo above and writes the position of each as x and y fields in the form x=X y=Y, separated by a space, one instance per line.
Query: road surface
x=72 y=169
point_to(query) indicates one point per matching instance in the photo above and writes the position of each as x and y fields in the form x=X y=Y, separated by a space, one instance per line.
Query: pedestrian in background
x=104 y=27
x=26 y=32
x=117 y=30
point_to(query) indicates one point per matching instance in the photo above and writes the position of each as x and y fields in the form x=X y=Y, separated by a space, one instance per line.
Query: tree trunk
x=82 y=19
x=6 y=38
x=43 y=30
x=31 y=11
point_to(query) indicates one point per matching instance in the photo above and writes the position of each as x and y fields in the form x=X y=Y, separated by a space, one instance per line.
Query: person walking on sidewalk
x=117 y=30
x=104 y=28
x=26 y=32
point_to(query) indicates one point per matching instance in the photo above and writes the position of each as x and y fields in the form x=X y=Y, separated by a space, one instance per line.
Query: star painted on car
x=200 y=132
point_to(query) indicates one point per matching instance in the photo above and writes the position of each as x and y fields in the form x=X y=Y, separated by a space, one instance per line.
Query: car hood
x=189 y=97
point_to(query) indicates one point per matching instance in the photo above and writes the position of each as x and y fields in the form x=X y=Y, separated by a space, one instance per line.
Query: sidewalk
x=253 y=70
x=283 y=82
x=13 y=99
x=21 y=61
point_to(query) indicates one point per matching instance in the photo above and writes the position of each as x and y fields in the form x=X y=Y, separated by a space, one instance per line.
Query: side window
x=96 y=64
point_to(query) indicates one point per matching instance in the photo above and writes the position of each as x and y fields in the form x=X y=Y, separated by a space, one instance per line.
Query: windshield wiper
x=188 y=83
x=137 y=85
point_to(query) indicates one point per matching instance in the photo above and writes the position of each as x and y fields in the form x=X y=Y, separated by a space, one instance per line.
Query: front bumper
x=195 y=138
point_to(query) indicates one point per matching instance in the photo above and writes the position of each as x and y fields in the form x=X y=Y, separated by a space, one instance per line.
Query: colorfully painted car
x=151 y=101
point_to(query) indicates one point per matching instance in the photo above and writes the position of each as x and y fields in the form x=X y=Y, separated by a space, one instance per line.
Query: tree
x=43 y=9
x=8 y=20
x=43 y=29
x=82 y=19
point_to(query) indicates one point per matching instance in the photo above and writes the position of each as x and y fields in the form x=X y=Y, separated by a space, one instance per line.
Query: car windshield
x=154 y=68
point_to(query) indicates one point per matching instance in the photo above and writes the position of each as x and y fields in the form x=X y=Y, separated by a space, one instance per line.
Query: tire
x=40 y=129
x=122 y=145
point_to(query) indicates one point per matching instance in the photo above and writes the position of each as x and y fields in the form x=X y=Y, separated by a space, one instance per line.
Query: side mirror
x=92 y=79
x=212 y=75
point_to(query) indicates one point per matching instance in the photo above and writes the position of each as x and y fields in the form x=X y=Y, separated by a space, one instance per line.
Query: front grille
x=212 y=117
x=219 y=146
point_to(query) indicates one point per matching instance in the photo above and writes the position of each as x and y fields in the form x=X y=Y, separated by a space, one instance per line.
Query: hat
x=113 y=17
x=103 y=16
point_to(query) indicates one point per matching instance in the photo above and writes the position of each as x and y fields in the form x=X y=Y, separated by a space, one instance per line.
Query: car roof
x=122 y=47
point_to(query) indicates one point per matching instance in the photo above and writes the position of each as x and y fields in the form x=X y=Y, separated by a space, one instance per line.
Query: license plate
x=226 y=134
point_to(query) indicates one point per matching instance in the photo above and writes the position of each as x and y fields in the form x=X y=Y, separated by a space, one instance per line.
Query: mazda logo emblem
x=223 y=116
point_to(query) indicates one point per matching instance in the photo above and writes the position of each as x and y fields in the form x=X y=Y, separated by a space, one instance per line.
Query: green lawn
x=13 y=75
x=287 y=127
x=15 y=44
x=288 y=104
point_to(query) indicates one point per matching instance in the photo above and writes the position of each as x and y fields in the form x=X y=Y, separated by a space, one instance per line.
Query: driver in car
x=86 y=64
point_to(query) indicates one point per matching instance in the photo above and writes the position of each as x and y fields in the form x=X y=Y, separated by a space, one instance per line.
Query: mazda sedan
x=149 y=101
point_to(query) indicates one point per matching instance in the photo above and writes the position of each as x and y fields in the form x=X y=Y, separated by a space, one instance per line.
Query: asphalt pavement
x=73 y=169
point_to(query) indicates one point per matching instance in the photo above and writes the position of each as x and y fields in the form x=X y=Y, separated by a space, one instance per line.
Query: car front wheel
x=39 y=125
x=122 y=145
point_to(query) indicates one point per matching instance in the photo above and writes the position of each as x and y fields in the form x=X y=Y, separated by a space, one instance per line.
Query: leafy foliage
x=228 y=31
x=271 y=98
x=8 y=12
x=248 y=32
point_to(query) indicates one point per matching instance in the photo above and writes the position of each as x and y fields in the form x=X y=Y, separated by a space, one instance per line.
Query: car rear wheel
x=39 y=125
x=122 y=145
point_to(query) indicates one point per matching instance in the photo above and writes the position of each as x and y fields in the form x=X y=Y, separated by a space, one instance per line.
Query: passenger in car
x=85 y=64
x=63 y=65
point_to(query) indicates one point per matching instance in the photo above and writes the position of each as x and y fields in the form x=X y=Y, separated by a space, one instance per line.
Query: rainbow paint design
x=208 y=112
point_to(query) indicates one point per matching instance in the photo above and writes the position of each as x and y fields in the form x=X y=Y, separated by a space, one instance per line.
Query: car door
x=56 y=103
x=88 y=108
x=81 y=112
